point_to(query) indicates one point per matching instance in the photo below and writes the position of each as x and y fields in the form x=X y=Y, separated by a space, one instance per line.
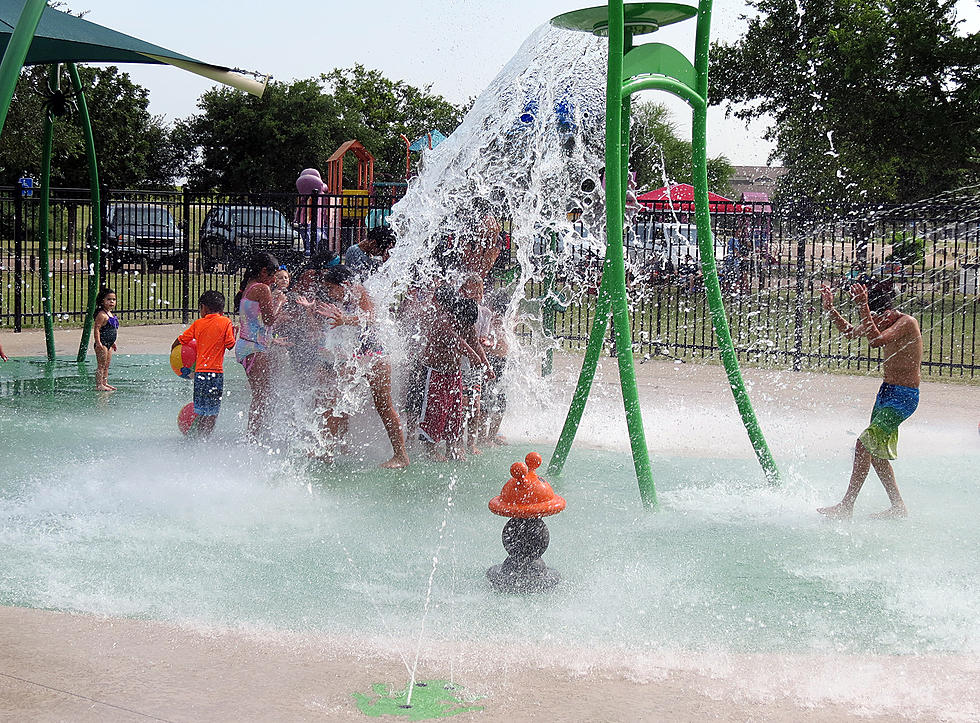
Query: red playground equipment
x=365 y=168
x=355 y=202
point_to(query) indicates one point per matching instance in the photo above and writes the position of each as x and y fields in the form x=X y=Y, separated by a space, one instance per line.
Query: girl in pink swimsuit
x=258 y=312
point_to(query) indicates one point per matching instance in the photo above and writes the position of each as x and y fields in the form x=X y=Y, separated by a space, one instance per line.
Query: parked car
x=135 y=232
x=230 y=234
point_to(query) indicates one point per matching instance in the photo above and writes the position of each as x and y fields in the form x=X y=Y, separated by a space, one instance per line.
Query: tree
x=874 y=100
x=261 y=144
x=243 y=143
x=659 y=157
x=376 y=110
x=133 y=146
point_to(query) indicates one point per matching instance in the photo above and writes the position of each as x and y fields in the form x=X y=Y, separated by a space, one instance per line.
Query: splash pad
x=122 y=521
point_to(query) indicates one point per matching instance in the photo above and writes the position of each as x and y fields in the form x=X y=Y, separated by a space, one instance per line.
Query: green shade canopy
x=64 y=38
x=640 y=18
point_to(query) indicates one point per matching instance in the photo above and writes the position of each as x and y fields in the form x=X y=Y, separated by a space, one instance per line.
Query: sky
x=457 y=46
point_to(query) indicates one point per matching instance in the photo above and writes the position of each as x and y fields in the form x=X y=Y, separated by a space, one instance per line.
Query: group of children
x=320 y=333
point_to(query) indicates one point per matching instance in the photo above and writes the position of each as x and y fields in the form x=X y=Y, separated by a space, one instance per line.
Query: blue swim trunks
x=893 y=405
x=208 y=388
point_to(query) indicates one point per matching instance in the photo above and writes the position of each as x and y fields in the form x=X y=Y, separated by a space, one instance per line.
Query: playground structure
x=354 y=201
x=43 y=35
x=425 y=142
x=631 y=69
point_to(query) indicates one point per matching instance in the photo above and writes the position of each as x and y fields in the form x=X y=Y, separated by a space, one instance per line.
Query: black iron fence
x=772 y=263
x=162 y=249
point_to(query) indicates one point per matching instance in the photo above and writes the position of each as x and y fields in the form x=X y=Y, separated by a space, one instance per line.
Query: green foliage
x=907 y=249
x=243 y=143
x=261 y=144
x=376 y=110
x=659 y=157
x=133 y=146
x=870 y=100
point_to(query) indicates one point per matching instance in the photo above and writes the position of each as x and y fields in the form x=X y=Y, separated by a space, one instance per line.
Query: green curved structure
x=632 y=68
x=41 y=34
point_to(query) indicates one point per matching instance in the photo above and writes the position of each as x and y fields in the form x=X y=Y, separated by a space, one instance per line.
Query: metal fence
x=772 y=263
x=164 y=248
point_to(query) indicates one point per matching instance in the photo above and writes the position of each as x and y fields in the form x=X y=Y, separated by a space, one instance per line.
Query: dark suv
x=230 y=234
x=141 y=231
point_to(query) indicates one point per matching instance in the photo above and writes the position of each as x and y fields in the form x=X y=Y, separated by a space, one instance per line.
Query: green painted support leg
x=16 y=53
x=592 y=351
x=47 y=303
x=95 y=251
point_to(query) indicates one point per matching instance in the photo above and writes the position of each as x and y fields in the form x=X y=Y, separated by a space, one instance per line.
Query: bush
x=907 y=249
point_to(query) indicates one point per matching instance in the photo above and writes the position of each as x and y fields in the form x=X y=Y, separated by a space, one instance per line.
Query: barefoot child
x=258 y=313
x=349 y=312
x=439 y=393
x=898 y=397
x=105 y=328
x=214 y=335
x=494 y=398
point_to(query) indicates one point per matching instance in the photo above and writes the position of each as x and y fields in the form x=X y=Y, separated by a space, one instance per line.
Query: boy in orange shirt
x=214 y=336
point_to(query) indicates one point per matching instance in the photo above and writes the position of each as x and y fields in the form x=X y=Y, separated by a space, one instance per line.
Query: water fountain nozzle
x=525 y=499
x=526 y=495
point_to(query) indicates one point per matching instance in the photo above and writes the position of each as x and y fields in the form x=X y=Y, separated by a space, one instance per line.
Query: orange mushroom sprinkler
x=525 y=499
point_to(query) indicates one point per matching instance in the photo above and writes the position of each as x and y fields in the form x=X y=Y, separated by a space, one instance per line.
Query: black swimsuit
x=109 y=331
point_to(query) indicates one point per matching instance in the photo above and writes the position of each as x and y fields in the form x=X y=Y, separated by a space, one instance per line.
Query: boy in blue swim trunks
x=899 y=336
x=214 y=335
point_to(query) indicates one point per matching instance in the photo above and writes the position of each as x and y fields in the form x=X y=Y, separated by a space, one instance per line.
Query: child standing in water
x=350 y=312
x=105 y=329
x=214 y=335
x=258 y=310
x=494 y=402
x=437 y=397
x=899 y=336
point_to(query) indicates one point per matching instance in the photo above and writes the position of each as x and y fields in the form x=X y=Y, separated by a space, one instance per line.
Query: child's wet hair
x=881 y=295
x=383 y=237
x=100 y=298
x=259 y=261
x=336 y=275
x=462 y=311
x=213 y=301
x=319 y=262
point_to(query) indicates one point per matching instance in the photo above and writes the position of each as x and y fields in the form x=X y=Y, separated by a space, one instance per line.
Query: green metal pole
x=612 y=290
x=45 y=251
x=16 y=53
x=617 y=182
x=95 y=252
x=706 y=245
x=592 y=351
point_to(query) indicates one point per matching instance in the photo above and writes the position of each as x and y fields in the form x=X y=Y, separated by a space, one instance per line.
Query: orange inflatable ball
x=186 y=418
x=183 y=357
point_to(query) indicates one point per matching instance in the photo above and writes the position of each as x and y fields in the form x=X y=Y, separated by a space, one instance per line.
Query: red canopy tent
x=680 y=197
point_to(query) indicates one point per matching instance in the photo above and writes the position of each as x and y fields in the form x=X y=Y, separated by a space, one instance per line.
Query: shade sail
x=64 y=38
x=681 y=197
